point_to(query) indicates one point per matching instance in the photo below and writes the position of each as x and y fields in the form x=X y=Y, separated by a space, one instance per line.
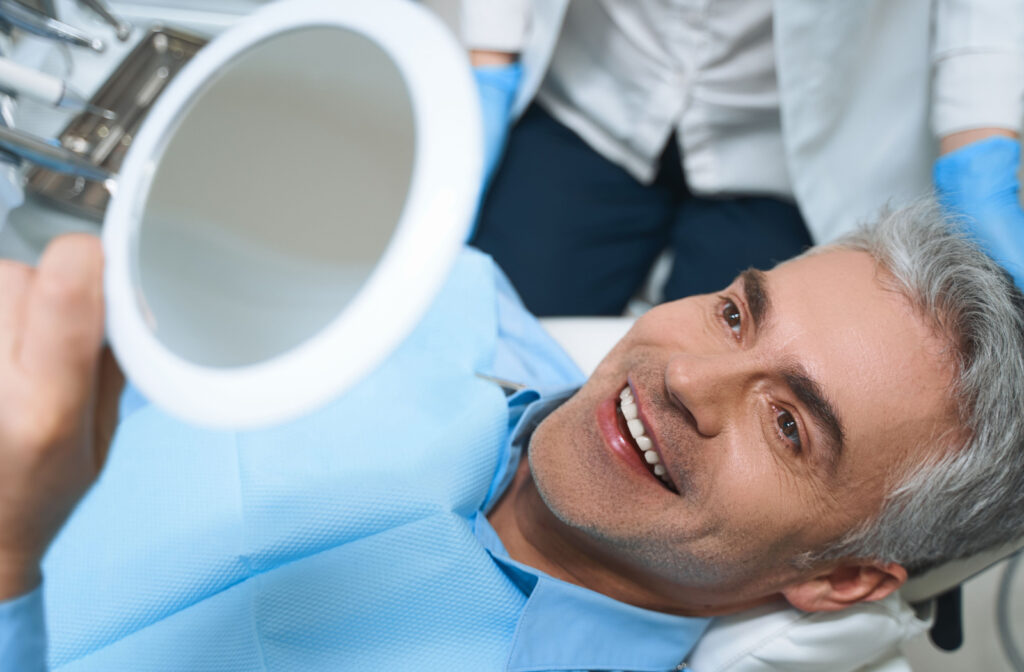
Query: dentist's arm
x=497 y=77
x=53 y=381
x=494 y=31
x=977 y=108
x=977 y=179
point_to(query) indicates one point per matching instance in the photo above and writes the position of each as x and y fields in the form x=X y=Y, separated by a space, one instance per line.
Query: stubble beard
x=632 y=540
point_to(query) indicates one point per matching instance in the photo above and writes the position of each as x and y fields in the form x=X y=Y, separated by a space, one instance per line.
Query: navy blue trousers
x=577 y=234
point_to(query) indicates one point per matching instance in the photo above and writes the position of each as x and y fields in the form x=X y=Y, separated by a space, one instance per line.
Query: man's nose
x=708 y=387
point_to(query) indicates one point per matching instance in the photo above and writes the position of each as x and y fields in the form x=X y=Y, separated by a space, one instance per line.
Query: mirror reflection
x=275 y=196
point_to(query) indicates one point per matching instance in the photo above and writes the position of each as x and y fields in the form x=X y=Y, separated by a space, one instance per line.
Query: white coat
x=867 y=87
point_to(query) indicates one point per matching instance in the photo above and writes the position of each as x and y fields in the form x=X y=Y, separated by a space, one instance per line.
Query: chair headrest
x=940 y=579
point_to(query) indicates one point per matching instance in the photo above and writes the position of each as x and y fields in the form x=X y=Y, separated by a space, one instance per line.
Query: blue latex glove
x=497 y=85
x=979 y=182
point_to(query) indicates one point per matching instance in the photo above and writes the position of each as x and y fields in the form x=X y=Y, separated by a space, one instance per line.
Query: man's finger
x=14 y=283
x=64 y=316
x=108 y=396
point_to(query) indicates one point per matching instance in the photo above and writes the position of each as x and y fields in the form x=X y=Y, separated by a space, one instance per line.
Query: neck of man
x=534 y=536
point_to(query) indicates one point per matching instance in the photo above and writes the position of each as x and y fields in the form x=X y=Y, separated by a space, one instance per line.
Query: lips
x=627 y=436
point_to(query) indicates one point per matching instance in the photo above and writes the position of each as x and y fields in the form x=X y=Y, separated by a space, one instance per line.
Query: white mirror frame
x=441 y=201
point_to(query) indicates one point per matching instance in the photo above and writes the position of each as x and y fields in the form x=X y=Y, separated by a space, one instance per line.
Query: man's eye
x=731 y=315
x=788 y=427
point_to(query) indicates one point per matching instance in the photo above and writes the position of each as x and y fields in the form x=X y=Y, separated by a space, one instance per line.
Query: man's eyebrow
x=810 y=394
x=757 y=296
x=806 y=388
x=755 y=293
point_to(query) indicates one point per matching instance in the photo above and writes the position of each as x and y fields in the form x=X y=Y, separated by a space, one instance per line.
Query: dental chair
x=862 y=638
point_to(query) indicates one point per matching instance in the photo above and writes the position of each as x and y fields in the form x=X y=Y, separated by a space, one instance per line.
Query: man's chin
x=559 y=472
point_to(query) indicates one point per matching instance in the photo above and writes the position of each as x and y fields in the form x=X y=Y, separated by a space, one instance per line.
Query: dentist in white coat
x=840 y=106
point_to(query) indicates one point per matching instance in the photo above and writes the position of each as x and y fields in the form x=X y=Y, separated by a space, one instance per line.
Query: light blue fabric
x=22 y=637
x=566 y=627
x=347 y=540
x=979 y=182
x=497 y=85
x=524 y=352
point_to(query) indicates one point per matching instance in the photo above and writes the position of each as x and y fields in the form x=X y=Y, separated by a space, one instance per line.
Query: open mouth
x=633 y=429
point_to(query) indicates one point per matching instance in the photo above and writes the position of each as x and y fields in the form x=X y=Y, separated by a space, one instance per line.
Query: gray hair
x=970 y=496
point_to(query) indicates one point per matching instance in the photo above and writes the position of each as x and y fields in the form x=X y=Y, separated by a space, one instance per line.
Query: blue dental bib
x=341 y=541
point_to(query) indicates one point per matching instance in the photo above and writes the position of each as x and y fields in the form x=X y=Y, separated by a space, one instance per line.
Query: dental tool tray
x=129 y=92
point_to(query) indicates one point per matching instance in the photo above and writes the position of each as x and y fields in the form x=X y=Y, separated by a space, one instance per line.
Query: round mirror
x=290 y=207
x=275 y=197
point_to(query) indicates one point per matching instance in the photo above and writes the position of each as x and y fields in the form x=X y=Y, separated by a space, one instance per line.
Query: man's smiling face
x=780 y=411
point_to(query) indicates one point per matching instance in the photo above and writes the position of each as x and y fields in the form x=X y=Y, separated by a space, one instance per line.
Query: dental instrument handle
x=121 y=28
x=45 y=6
x=37 y=23
x=38 y=151
x=20 y=80
x=49 y=8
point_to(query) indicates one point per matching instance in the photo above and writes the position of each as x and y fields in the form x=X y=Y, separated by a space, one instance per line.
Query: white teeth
x=630 y=412
x=639 y=434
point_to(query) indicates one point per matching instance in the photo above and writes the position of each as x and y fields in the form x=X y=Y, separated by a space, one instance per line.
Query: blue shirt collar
x=527 y=408
x=565 y=626
x=568 y=627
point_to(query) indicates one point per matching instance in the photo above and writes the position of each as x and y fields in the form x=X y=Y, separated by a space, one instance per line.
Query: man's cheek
x=749 y=494
x=631 y=352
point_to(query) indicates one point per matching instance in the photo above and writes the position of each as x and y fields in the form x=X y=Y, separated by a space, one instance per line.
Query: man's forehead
x=836 y=305
x=832 y=282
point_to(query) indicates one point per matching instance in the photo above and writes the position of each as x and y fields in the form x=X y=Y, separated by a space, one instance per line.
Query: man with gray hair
x=816 y=434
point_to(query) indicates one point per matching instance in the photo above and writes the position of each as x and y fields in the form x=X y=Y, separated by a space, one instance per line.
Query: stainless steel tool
x=37 y=23
x=40 y=152
x=47 y=7
x=129 y=93
x=507 y=386
x=18 y=80
x=121 y=28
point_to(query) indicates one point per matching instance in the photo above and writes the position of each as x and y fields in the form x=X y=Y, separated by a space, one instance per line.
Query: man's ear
x=846 y=585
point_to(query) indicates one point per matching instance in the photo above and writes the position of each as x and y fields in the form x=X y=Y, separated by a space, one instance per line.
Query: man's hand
x=977 y=179
x=51 y=444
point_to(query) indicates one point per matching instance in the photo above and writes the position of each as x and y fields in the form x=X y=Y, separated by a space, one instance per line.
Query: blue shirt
x=559 y=626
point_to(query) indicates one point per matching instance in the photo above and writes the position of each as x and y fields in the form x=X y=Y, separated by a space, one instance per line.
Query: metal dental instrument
x=7 y=121
x=37 y=150
x=121 y=28
x=23 y=81
x=37 y=23
x=130 y=92
x=45 y=6
x=49 y=7
x=507 y=386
